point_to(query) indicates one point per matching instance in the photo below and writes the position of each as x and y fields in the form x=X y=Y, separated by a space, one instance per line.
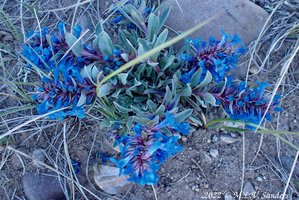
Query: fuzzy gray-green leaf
x=153 y=26
x=123 y=78
x=207 y=80
x=105 y=90
x=73 y=42
x=105 y=43
x=121 y=108
x=180 y=117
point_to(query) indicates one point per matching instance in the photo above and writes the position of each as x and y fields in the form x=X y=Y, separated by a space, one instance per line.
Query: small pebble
x=234 y=135
x=214 y=153
x=16 y=162
x=207 y=158
x=215 y=139
x=228 y=139
x=248 y=189
x=259 y=179
x=184 y=139
x=38 y=155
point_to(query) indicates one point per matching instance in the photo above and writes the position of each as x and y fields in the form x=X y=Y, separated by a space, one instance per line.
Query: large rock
x=240 y=17
x=38 y=187
x=108 y=179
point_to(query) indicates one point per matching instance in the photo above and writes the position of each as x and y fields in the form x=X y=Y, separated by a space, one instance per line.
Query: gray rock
x=228 y=139
x=240 y=17
x=207 y=158
x=38 y=187
x=248 y=189
x=16 y=162
x=259 y=179
x=214 y=153
x=38 y=155
x=215 y=139
x=108 y=179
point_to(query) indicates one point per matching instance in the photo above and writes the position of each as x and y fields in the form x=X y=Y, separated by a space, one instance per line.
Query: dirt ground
x=210 y=167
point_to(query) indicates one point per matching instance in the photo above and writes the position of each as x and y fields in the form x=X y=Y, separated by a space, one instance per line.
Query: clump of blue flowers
x=54 y=95
x=241 y=102
x=147 y=106
x=215 y=56
x=147 y=148
x=62 y=85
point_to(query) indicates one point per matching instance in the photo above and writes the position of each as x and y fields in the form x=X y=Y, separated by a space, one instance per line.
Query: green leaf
x=74 y=44
x=91 y=71
x=82 y=99
x=152 y=52
x=140 y=120
x=143 y=46
x=182 y=116
x=116 y=93
x=185 y=92
x=195 y=78
x=207 y=80
x=152 y=106
x=208 y=98
x=153 y=26
x=105 y=90
x=121 y=108
x=160 y=40
x=140 y=99
x=129 y=123
x=99 y=27
x=105 y=43
x=168 y=96
x=163 y=12
x=169 y=62
x=193 y=104
x=160 y=110
x=129 y=46
x=123 y=78
x=196 y=121
x=131 y=13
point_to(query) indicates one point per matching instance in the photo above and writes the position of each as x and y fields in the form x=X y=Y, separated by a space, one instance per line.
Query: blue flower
x=170 y=123
x=55 y=94
x=186 y=78
x=244 y=103
x=143 y=153
x=46 y=50
x=76 y=166
x=216 y=56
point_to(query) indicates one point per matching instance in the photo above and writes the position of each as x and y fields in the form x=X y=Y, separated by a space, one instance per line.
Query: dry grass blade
x=30 y=121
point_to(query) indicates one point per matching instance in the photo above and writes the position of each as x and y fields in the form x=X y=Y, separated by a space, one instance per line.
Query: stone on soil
x=37 y=187
x=240 y=17
x=108 y=179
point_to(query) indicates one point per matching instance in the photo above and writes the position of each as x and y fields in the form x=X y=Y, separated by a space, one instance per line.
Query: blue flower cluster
x=45 y=50
x=62 y=84
x=247 y=104
x=55 y=94
x=143 y=152
x=216 y=56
